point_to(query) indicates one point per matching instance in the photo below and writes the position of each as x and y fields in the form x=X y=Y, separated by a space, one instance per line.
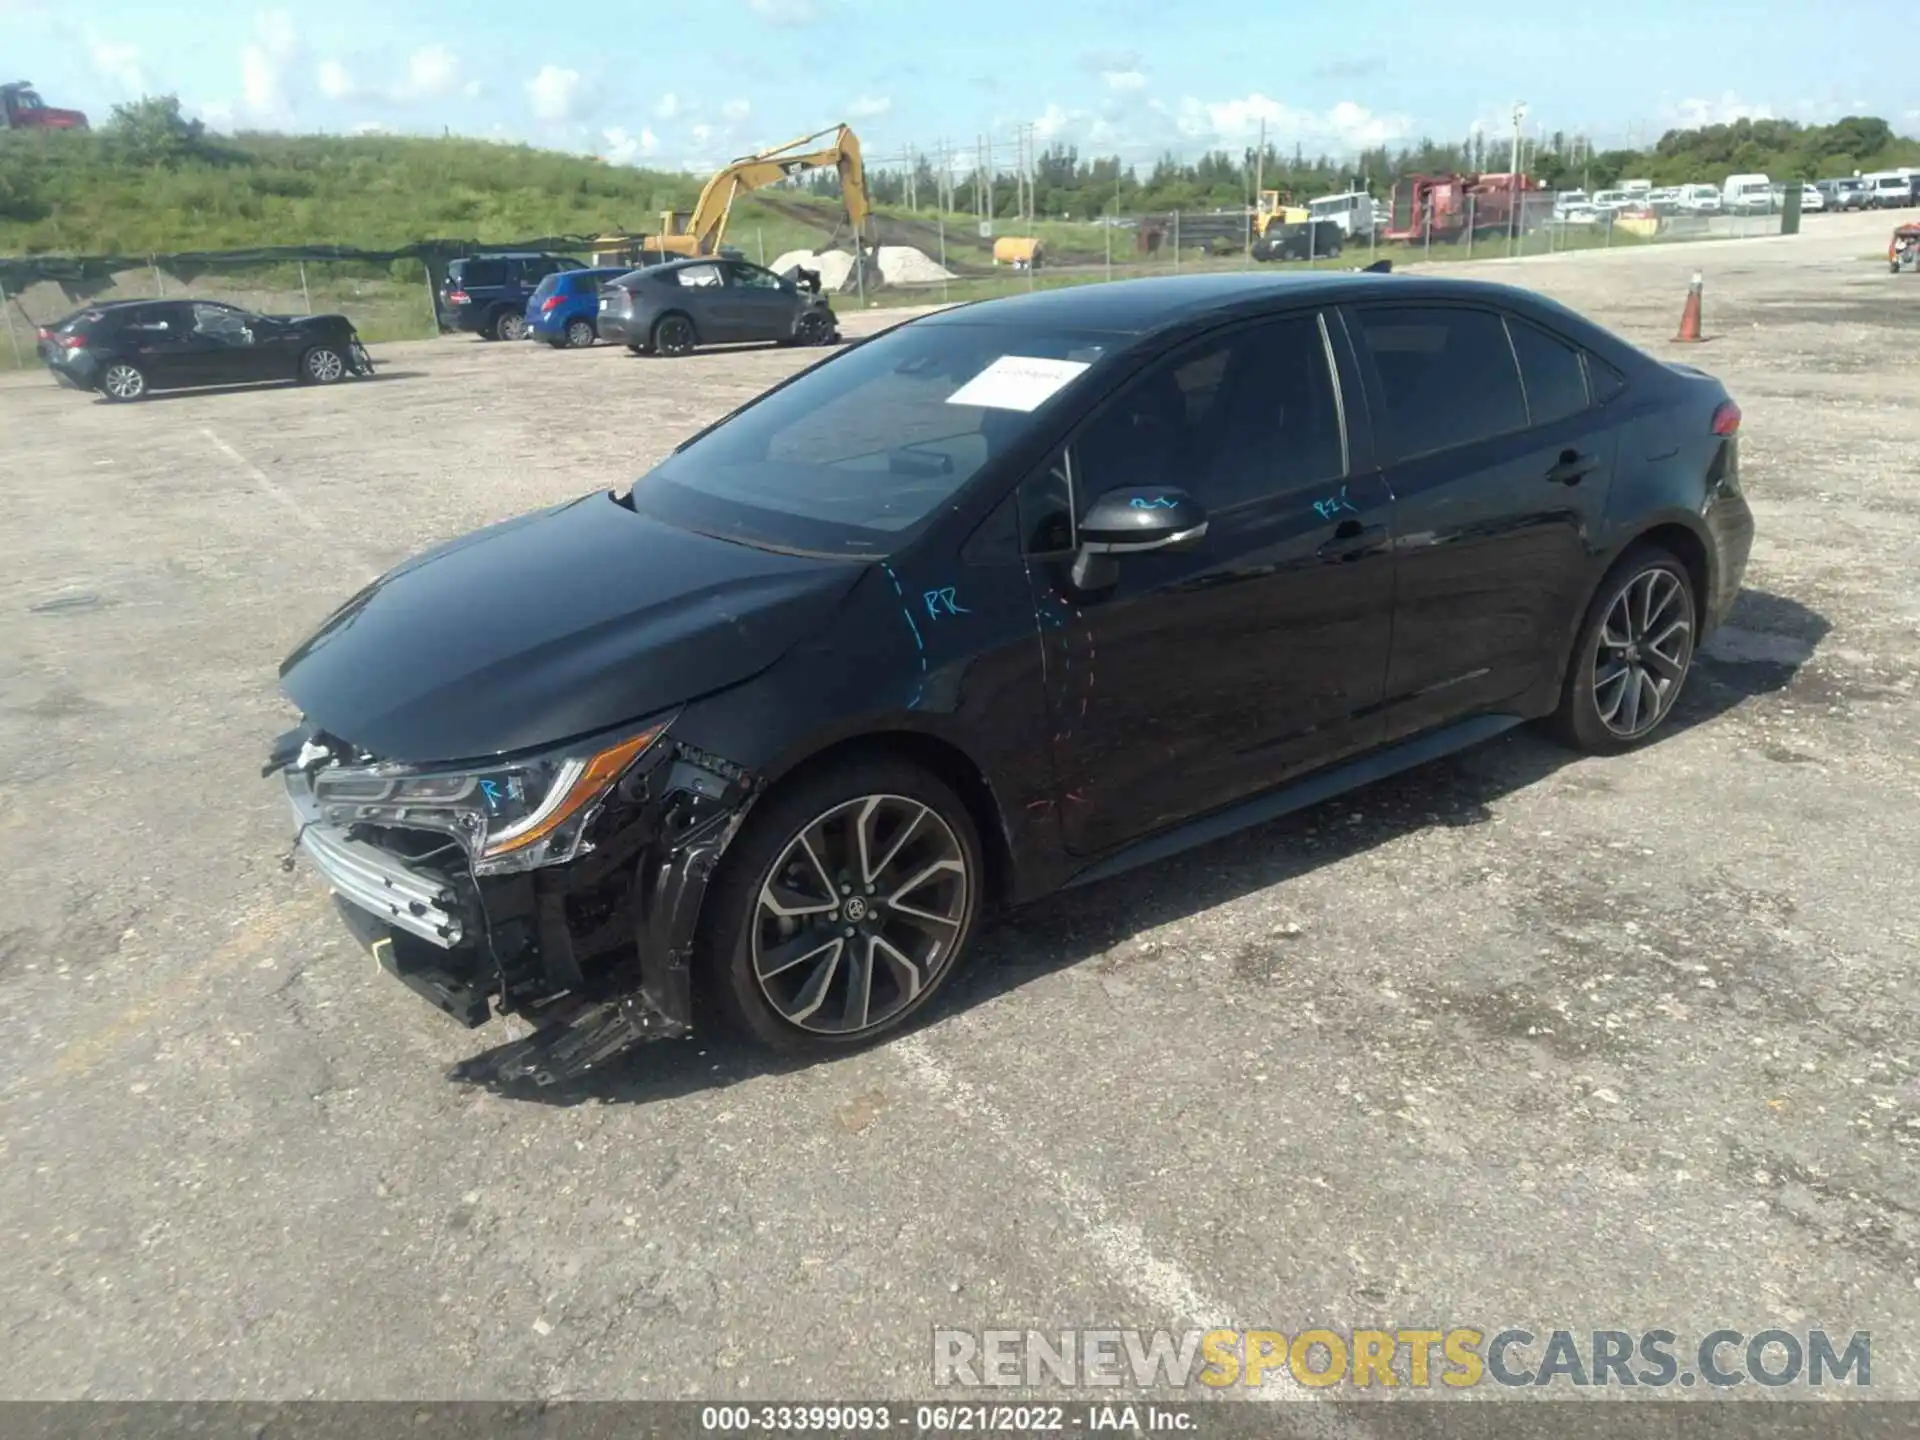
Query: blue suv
x=565 y=308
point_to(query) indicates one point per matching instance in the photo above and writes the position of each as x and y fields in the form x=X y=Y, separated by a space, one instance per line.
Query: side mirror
x=1133 y=520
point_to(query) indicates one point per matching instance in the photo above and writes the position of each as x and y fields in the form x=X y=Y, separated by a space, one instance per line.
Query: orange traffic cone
x=1690 y=316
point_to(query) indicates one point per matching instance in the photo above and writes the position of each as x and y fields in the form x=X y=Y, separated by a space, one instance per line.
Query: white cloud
x=1054 y=122
x=785 y=12
x=735 y=111
x=433 y=73
x=668 y=106
x=1124 y=81
x=119 y=64
x=278 y=35
x=334 y=81
x=555 y=93
x=1345 y=128
x=1691 y=114
x=623 y=149
x=369 y=127
x=869 y=107
x=264 y=65
x=701 y=133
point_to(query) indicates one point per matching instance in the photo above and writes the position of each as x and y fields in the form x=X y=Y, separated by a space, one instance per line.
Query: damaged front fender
x=670 y=824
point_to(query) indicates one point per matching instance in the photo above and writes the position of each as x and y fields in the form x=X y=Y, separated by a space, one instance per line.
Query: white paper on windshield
x=1018 y=382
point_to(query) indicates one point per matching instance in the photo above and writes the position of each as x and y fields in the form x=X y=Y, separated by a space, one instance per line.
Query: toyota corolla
x=1009 y=598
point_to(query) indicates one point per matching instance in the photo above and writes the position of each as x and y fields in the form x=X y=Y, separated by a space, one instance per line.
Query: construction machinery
x=701 y=232
x=1023 y=252
x=21 y=108
x=1276 y=207
x=1445 y=207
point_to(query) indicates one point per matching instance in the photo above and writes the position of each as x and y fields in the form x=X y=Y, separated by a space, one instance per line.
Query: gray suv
x=673 y=308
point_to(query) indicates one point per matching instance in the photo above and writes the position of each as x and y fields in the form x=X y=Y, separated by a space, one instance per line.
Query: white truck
x=1351 y=210
x=1747 y=195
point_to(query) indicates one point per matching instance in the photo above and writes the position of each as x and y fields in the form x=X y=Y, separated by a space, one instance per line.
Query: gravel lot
x=1514 y=1039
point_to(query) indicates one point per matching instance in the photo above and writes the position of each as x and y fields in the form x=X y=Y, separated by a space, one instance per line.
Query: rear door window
x=1447 y=376
x=699 y=277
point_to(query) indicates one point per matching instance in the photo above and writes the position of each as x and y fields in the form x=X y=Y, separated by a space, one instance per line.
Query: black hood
x=549 y=626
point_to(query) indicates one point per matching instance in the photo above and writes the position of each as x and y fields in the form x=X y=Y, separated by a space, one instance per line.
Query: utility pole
x=1519 y=114
x=1260 y=166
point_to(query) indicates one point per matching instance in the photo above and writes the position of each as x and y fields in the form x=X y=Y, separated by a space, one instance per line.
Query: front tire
x=843 y=907
x=813 y=329
x=123 y=383
x=323 y=365
x=1632 y=656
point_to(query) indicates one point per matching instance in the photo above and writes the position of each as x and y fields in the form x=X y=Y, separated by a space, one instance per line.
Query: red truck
x=21 y=108
x=1453 y=202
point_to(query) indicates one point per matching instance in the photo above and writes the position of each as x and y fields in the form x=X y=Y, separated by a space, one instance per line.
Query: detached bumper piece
x=586 y=1035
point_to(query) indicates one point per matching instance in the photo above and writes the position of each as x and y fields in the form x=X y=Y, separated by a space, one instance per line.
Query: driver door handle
x=1351 y=540
x=1572 y=468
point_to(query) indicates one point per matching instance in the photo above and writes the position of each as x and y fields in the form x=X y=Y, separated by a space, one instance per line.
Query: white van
x=1352 y=211
x=1747 y=195
x=1888 y=188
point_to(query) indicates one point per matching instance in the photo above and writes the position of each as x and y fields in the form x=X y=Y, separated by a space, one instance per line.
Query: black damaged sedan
x=1009 y=598
x=126 y=348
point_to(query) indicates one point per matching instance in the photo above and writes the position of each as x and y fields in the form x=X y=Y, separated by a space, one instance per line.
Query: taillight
x=73 y=342
x=551 y=303
x=456 y=297
x=43 y=333
x=1726 y=420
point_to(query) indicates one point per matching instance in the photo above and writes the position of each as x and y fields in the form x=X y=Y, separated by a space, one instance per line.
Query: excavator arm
x=708 y=227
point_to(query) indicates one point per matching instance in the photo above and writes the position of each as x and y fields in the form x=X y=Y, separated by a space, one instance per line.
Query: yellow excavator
x=702 y=232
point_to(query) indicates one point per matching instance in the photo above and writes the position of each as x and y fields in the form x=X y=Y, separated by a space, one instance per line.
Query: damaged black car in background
x=1010 y=597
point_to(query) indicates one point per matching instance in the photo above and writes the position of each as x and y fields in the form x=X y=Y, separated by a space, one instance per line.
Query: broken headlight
x=510 y=815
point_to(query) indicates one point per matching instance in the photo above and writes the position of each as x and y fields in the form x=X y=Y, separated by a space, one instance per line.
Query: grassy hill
x=86 y=194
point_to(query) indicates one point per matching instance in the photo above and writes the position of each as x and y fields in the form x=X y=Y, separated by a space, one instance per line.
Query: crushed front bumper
x=596 y=952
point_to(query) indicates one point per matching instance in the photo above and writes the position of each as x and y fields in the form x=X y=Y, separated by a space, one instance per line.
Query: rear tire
x=580 y=334
x=673 y=335
x=1631 y=657
x=875 y=864
x=509 y=325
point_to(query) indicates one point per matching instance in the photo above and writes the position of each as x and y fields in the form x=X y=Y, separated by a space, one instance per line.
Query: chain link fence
x=929 y=259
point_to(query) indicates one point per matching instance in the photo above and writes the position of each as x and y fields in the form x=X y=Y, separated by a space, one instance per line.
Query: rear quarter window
x=478 y=272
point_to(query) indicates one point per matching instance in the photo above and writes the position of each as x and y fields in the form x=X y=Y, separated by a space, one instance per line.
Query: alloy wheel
x=813 y=328
x=860 y=914
x=579 y=334
x=123 y=382
x=512 y=326
x=1645 y=648
x=325 y=366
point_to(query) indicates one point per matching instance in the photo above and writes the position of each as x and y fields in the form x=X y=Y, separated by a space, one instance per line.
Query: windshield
x=855 y=454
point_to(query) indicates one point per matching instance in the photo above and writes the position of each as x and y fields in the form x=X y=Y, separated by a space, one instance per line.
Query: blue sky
x=694 y=85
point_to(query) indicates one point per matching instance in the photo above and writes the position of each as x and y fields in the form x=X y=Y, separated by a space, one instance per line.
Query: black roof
x=1140 y=307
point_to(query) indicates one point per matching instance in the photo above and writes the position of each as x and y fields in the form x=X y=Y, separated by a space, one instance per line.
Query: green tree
x=152 y=131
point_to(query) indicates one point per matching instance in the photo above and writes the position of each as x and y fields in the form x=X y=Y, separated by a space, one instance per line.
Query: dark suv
x=486 y=295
